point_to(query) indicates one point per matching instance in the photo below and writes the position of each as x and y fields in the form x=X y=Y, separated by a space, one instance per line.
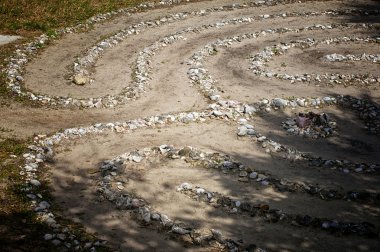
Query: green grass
x=18 y=16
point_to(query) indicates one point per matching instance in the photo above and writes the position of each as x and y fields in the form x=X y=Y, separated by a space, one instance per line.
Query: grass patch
x=19 y=228
x=17 y=16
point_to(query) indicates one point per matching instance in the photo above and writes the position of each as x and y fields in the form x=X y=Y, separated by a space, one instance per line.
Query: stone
x=242 y=131
x=184 y=186
x=217 y=113
x=42 y=206
x=249 y=109
x=144 y=214
x=5 y=39
x=279 y=103
x=35 y=182
x=200 y=190
x=80 y=80
x=136 y=158
x=56 y=242
x=179 y=230
x=62 y=237
x=166 y=221
x=217 y=235
x=253 y=175
x=48 y=237
x=155 y=216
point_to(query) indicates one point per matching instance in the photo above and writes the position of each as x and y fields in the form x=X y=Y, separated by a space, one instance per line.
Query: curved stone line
x=93 y=53
x=17 y=62
x=96 y=51
x=15 y=78
x=43 y=150
x=143 y=68
x=372 y=58
x=225 y=164
x=111 y=188
x=145 y=213
x=344 y=166
x=275 y=215
x=259 y=60
x=198 y=75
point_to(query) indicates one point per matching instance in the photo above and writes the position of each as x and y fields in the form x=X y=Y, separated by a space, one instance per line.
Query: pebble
x=35 y=182
x=179 y=230
x=253 y=175
x=56 y=242
x=48 y=237
x=80 y=80
x=136 y=158
x=242 y=131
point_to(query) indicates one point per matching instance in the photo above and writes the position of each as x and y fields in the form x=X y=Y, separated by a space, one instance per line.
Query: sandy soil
x=72 y=175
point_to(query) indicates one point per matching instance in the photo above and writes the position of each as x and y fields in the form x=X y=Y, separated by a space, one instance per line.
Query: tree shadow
x=78 y=195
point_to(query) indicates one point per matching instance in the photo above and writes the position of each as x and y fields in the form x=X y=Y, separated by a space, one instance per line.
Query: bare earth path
x=186 y=134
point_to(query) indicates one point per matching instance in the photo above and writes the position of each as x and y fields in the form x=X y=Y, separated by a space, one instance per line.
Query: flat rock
x=6 y=39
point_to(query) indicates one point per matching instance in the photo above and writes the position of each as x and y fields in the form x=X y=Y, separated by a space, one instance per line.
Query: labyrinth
x=218 y=125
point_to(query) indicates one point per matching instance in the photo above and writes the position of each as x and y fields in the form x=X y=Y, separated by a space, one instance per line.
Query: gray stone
x=48 y=237
x=242 y=131
x=166 y=221
x=35 y=182
x=217 y=113
x=6 y=39
x=155 y=216
x=253 y=175
x=217 y=235
x=56 y=242
x=145 y=214
x=179 y=230
x=249 y=109
x=279 y=103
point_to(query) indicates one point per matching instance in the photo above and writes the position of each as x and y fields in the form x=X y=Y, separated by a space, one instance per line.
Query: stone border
x=335 y=57
x=242 y=208
x=111 y=187
x=228 y=166
x=290 y=153
x=259 y=60
x=198 y=75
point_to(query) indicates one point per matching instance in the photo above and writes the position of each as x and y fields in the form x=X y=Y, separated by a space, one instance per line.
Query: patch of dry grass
x=20 y=16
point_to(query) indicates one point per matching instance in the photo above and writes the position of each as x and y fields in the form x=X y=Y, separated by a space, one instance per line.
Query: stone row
x=259 y=61
x=199 y=75
x=96 y=51
x=142 y=72
x=335 y=57
x=111 y=169
x=112 y=189
x=290 y=153
x=243 y=208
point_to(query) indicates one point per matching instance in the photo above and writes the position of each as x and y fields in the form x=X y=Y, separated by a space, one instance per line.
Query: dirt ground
x=71 y=176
